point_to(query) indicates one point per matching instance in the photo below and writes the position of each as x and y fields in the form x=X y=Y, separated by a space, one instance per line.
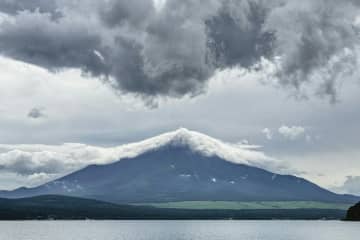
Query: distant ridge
x=52 y=207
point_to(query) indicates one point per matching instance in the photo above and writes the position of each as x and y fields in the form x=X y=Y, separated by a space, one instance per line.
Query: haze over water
x=179 y=230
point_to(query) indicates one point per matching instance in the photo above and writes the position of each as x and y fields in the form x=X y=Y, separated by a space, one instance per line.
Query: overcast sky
x=280 y=74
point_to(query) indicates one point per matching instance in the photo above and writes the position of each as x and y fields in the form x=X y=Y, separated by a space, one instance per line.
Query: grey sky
x=229 y=69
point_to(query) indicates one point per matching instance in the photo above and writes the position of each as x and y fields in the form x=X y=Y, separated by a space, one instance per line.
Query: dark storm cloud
x=175 y=56
x=13 y=7
x=35 y=38
x=120 y=12
x=36 y=113
x=136 y=47
x=235 y=34
x=318 y=42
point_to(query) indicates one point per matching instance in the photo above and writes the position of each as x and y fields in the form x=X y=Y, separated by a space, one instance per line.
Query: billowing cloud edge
x=37 y=161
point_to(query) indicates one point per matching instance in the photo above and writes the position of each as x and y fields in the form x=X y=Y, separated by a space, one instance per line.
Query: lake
x=179 y=230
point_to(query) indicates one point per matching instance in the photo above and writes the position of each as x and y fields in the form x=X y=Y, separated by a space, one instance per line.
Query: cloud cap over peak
x=34 y=160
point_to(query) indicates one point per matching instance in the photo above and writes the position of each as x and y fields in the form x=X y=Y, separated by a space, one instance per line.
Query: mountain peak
x=182 y=135
x=172 y=171
x=196 y=141
x=185 y=137
x=202 y=144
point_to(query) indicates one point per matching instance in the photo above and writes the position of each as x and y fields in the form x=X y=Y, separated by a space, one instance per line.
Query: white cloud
x=268 y=133
x=350 y=186
x=309 y=138
x=99 y=55
x=159 y=4
x=292 y=133
x=39 y=178
x=51 y=159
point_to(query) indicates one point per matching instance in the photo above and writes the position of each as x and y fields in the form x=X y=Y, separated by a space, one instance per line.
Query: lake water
x=179 y=230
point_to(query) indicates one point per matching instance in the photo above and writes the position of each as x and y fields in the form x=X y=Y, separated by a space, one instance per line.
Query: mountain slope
x=186 y=166
x=178 y=174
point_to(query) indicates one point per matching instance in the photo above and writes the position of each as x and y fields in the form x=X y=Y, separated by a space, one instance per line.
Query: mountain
x=353 y=214
x=68 y=208
x=184 y=166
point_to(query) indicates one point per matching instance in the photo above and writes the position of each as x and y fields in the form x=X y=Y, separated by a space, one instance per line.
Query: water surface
x=179 y=230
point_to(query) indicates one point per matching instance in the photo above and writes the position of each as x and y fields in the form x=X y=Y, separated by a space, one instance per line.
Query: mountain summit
x=184 y=166
x=201 y=144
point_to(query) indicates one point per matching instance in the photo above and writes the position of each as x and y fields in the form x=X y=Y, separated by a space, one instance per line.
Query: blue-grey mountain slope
x=175 y=172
